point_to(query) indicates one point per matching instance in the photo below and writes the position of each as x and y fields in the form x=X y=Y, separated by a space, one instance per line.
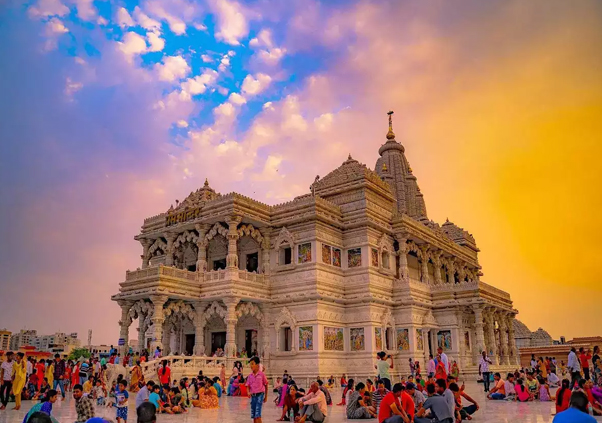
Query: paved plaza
x=236 y=409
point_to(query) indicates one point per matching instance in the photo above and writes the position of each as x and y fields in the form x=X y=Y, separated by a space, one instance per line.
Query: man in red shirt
x=584 y=358
x=391 y=410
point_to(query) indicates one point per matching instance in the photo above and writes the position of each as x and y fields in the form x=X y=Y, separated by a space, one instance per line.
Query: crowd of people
x=436 y=396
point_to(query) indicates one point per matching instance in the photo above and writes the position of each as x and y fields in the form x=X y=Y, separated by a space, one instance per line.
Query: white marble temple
x=236 y=409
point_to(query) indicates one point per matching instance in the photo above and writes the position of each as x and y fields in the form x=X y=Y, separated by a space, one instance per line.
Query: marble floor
x=236 y=409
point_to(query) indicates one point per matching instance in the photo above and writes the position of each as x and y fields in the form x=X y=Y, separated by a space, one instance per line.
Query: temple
x=319 y=284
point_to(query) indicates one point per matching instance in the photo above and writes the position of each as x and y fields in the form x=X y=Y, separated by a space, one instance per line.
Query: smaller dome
x=541 y=334
x=521 y=330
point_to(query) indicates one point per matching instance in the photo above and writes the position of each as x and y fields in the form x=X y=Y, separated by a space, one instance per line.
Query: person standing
x=19 y=378
x=412 y=367
x=444 y=359
x=484 y=369
x=383 y=365
x=258 y=389
x=431 y=367
x=6 y=377
x=574 y=367
x=59 y=374
x=585 y=357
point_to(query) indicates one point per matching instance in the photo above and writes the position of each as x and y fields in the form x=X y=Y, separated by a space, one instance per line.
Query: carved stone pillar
x=425 y=278
x=461 y=343
x=146 y=243
x=437 y=266
x=479 y=333
x=141 y=332
x=265 y=328
x=178 y=334
x=514 y=356
x=232 y=258
x=158 y=320
x=199 y=327
x=166 y=341
x=461 y=274
x=451 y=271
x=265 y=252
x=201 y=264
x=404 y=272
x=492 y=345
x=124 y=324
x=231 y=321
x=505 y=359
x=170 y=237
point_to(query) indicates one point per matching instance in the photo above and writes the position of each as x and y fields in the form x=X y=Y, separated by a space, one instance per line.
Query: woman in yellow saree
x=50 y=373
x=137 y=377
x=19 y=376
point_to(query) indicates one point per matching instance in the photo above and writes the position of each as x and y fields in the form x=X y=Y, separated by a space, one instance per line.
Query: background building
x=525 y=338
x=5 y=336
x=23 y=338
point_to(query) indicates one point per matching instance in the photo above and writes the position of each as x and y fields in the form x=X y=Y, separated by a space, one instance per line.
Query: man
x=416 y=395
x=325 y=391
x=574 y=367
x=444 y=359
x=146 y=413
x=484 y=369
x=6 y=377
x=144 y=393
x=439 y=406
x=83 y=405
x=509 y=387
x=113 y=350
x=29 y=366
x=258 y=389
x=313 y=405
x=577 y=412
x=465 y=412
x=379 y=394
x=499 y=389
x=407 y=403
x=431 y=366
x=117 y=358
x=533 y=362
x=584 y=358
x=83 y=372
x=59 y=374
x=391 y=410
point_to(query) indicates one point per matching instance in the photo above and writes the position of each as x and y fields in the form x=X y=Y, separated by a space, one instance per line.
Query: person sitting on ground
x=346 y=392
x=44 y=406
x=544 y=390
x=522 y=393
x=465 y=412
x=577 y=412
x=325 y=391
x=379 y=394
x=589 y=391
x=416 y=395
x=553 y=380
x=207 y=397
x=499 y=389
x=356 y=406
x=146 y=413
x=437 y=403
x=563 y=396
x=217 y=385
x=154 y=398
x=290 y=410
x=391 y=410
x=532 y=385
x=313 y=406
x=330 y=382
x=509 y=387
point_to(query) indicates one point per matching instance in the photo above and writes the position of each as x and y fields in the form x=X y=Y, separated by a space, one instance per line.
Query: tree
x=76 y=353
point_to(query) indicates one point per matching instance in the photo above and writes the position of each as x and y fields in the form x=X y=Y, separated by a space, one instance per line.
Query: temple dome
x=521 y=330
x=350 y=171
x=540 y=338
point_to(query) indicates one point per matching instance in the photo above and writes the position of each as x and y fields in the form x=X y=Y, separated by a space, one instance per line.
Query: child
x=522 y=393
x=32 y=384
x=544 y=390
x=121 y=397
x=88 y=385
x=155 y=399
x=99 y=393
x=44 y=388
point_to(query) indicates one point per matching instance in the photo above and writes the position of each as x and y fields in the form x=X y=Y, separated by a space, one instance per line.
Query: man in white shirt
x=574 y=367
x=29 y=367
x=444 y=359
x=6 y=378
x=484 y=370
x=314 y=408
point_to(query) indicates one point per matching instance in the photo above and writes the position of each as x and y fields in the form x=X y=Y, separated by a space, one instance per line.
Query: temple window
x=385 y=260
x=219 y=264
x=252 y=262
x=286 y=255
x=286 y=339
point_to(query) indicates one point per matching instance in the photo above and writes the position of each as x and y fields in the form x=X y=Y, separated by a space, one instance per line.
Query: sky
x=111 y=110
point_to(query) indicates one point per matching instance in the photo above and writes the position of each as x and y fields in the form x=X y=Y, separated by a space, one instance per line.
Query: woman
x=207 y=397
x=50 y=372
x=290 y=409
x=542 y=368
x=383 y=364
x=346 y=392
x=597 y=377
x=45 y=406
x=563 y=396
x=356 y=406
x=440 y=372
x=41 y=372
x=455 y=370
x=19 y=378
x=417 y=367
x=222 y=375
x=137 y=377
x=164 y=374
x=75 y=374
x=522 y=394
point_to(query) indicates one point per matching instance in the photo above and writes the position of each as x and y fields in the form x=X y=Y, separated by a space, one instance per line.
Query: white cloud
x=173 y=12
x=132 y=44
x=270 y=169
x=101 y=21
x=145 y=21
x=199 y=84
x=232 y=23
x=271 y=57
x=85 y=9
x=224 y=63
x=237 y=99
x=263 y=39
x=72 y=87
x=206 y=58
x=199 y=26
x=255 y=85
x=156 y=42
x=123 y=18
x=46 y=8
x=182 y=123
x=223 y=91
x=324 y=121
x=53 y=29
x=268 y=106
x=172 y=68
x=224 y=109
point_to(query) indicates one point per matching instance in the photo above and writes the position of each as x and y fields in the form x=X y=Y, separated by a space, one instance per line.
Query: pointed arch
x=218 y=228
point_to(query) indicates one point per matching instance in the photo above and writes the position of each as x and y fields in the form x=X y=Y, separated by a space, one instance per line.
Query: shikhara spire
x=390 y=134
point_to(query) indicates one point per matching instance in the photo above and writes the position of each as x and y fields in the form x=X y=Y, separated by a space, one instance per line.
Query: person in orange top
x=407 y=403
x=440 y=371
x=499 y=390
x=74 y=375
x=584 y=359
x=67 y=378
x=563 y=396
x=40 y=370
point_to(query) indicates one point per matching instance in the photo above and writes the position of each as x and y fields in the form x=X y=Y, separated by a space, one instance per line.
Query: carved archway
x=218 y=228
x=284 y=319
x=186 y=236
x=214 y=309
x=157 y=245
x=250 y=309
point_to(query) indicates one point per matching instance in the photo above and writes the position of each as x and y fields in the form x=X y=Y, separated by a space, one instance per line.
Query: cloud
x=132 y=44
x=172 y=68
x=206 y=58
x=156 y=42
x=199 y=84
x=46 y=8
x=71 y=87
x=271 y=57
x=123 y=18
x=177 y=13
x=182 y=123
x=145 y=21
x=255 y=85
x=237 y=99
x=53 y=29
x=85 y=10
x=263 y=39
x=231 y=21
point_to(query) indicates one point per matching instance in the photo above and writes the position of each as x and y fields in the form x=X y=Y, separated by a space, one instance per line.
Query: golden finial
x=349 y=158
x=390 y=134
x=206 y=182
x=384 y=167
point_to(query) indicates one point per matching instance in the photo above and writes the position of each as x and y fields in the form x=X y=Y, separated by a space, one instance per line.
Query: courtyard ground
x=236 y=409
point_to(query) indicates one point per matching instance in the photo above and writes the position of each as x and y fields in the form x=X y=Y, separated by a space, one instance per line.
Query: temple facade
x=319 y=284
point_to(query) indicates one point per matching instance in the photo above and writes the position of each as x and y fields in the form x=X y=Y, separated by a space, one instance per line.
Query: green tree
x=76 y=353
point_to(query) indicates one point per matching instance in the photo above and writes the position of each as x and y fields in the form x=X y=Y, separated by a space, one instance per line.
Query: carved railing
x=237 y=274
x=132 y=275
x=190 y=366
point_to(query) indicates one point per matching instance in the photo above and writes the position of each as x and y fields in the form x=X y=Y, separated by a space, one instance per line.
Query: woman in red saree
x=75 y=375
x=440 y=371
